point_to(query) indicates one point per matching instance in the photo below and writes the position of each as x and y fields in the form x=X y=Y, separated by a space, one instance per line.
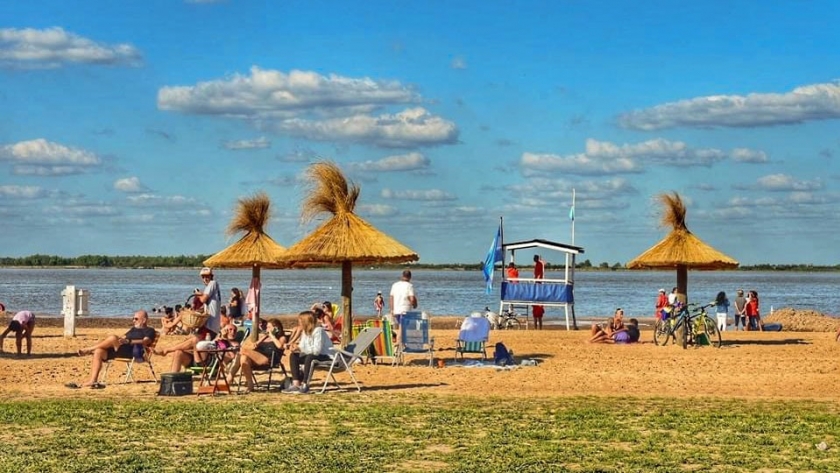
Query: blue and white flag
x=572 y=213
x=495 y=255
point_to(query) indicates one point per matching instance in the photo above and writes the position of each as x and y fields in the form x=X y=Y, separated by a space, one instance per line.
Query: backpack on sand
x=502 y=356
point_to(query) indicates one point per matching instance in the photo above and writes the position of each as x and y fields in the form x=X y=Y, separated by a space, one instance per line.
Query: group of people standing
x=747 y=312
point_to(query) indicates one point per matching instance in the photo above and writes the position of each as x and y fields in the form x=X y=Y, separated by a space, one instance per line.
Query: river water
x=119 y=292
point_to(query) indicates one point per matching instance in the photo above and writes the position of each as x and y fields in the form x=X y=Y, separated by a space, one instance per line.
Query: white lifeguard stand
x=545 y=292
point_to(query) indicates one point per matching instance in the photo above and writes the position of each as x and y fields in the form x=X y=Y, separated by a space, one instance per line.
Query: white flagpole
x=573 y=219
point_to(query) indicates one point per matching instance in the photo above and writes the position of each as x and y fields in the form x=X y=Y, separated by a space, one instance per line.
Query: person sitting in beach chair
x=605 y=332
x=171 y=322
x=473 y=336
x=260 y=355
x=137 y=338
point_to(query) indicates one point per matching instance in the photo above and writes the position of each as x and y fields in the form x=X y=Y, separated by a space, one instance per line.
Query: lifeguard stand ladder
x=529 y=292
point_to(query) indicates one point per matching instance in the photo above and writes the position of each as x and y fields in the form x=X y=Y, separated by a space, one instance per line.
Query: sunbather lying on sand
x=604 y=332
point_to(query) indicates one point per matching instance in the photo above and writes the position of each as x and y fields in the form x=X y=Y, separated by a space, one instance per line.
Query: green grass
x=374 y=433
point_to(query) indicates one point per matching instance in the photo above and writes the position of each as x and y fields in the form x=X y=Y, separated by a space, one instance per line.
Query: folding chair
x=130 y=362
x=344 y=359
x=275 y=364
x=414 y=336
x=473 y=337
x=383 y=347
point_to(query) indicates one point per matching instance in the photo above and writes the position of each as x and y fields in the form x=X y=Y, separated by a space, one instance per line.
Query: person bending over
x=314 y=345
x=23 y=323
x=117 y=347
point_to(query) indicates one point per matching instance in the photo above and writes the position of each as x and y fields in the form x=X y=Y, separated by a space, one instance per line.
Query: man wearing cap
x=661 y=302
x=211 y=297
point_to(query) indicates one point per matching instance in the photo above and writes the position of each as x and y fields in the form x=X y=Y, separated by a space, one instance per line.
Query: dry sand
x=764 y=365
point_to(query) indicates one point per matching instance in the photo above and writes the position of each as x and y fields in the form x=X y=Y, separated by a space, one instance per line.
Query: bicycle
x=509 y=319
x=688 y=328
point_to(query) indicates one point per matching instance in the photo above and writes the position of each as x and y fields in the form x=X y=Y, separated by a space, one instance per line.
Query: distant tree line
x=194 y=261
x=104 y=261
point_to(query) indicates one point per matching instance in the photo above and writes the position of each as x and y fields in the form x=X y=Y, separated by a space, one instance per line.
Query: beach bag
x=176 y=384
x=502 y=356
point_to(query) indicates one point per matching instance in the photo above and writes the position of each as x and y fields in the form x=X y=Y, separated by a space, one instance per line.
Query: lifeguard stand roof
x=537 y=243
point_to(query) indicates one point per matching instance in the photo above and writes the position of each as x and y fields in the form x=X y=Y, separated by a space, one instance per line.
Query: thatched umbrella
x=255 y=249
x=343 y=239
x=680 y=249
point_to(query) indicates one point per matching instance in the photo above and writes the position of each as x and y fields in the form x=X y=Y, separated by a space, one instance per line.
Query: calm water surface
x=118 y=292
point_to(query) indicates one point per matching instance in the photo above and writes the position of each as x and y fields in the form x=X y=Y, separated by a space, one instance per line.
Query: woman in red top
x=753 y=314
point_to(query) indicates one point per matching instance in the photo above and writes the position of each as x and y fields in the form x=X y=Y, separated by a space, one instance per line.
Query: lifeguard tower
x=528 y=292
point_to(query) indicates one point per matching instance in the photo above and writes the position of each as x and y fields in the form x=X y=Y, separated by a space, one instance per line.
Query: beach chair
x=275 y=365
x=344 y=358
x=473 y=337
x=414 y=336
x=130 y=362
x=383 y=348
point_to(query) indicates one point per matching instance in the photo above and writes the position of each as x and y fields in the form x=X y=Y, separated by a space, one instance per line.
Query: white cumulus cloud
x=54 y=47
x=802 y=104
x=410 y=128
x=397 y=163
x=784 y=182
x=40 y=157
x=434 y=195
x=21 y=192
x=744 y=155
x=314 y=106
x=603 y=157
x=129 y=184
x=238 y=145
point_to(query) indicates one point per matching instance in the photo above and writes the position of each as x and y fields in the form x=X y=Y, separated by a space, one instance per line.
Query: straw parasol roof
x=345 y=237
x=255 y=249
x=680 y=249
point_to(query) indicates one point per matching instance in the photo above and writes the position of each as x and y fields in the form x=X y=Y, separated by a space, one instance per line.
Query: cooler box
x=176 y=384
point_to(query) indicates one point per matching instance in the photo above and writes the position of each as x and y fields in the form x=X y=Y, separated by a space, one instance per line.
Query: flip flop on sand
x=72 y=386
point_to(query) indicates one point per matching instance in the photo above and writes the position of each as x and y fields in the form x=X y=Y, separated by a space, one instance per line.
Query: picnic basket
x=191 y=319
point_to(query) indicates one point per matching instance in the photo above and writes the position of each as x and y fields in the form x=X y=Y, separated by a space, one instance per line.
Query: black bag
x=175 y=384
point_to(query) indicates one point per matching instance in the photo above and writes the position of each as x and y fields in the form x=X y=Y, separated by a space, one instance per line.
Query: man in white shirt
x=402 y=298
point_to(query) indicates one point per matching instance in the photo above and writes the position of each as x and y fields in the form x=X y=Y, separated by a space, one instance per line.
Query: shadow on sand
x=787 y=341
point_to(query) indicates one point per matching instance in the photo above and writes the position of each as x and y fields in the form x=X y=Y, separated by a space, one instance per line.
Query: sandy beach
x=759 y=365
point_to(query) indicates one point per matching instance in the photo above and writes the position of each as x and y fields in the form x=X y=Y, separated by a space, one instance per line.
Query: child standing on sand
x=722 y=310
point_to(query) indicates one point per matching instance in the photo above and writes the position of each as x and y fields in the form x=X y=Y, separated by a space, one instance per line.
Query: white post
x=69 y=302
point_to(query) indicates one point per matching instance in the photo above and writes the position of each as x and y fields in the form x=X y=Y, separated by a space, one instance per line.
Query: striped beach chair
x=414 y=336
x=473 y=337
x=383 y=348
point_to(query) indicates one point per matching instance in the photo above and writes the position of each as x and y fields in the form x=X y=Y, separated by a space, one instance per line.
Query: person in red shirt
x=538 y=311
x=753 y=313
x=661 y=302
x=539 y=267
x=512 y=273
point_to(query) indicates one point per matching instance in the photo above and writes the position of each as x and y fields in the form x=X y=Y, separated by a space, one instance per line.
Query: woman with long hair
x=722 y=310
x=314 y=345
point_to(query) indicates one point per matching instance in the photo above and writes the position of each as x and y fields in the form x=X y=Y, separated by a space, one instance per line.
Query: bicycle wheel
x=513 y=322
x=661 y=332
x=712 y=332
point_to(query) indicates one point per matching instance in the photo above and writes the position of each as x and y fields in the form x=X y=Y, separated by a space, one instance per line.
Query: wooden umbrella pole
x=255 y=327
x=682 y=281
x=346 y=301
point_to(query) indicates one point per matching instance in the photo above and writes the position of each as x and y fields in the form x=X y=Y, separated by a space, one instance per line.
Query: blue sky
x=133 y=127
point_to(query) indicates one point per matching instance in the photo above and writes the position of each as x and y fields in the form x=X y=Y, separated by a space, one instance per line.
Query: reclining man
x=117 y=347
